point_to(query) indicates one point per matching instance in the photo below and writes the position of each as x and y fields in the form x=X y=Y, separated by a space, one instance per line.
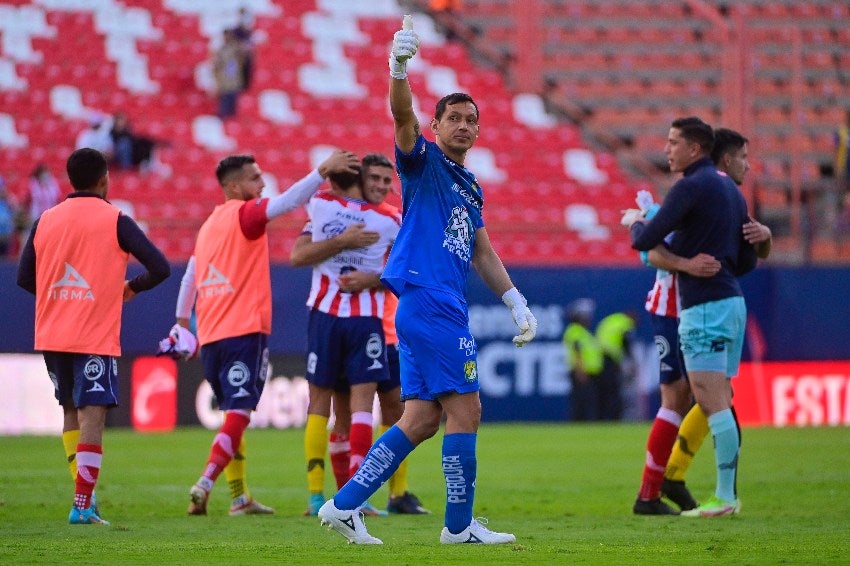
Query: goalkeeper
x=442 y=234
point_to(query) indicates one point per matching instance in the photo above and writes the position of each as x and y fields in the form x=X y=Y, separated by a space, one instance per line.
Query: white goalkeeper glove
x=630 y=216
x=644 y=200
x=522 y=316
x=405 y=46
x=180 y=343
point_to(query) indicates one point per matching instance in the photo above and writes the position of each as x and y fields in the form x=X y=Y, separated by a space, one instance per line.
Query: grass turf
x=565 y=490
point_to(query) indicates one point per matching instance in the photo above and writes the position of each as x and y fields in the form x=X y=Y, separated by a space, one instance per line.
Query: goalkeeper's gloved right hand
x=179 y=344
x=405 y=46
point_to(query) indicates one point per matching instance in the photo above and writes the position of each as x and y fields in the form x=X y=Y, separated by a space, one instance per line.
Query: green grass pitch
x=565 y=490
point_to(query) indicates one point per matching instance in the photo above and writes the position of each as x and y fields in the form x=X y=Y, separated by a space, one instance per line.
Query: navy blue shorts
x=86 y=379
x=438 y=352
x=395 y=372
x=237 y=368
x=343 y=351
x=672 y=367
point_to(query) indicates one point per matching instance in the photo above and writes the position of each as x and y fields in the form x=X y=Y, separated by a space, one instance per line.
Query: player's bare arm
x=307 y=252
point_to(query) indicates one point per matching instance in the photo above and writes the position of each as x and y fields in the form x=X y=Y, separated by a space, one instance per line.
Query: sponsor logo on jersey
x=216 y=283
x=467 y=345
x=71 y=287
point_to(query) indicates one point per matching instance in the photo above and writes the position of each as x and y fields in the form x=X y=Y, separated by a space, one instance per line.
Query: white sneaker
x=348 y=523
x=476 y=533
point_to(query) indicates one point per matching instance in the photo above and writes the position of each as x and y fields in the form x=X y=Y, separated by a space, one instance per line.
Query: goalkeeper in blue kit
x=442 y=234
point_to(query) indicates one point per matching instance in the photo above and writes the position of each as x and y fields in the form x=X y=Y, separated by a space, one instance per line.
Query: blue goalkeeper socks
x=459 y=467
x=726 y=445
x=381 y=461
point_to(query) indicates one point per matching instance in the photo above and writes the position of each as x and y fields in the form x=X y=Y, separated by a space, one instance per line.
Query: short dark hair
x=86 y=167
x=230 y=165
x=373 y=159
x=453 y=98
x=726 y=141
x=345 y=179
x=695 y=130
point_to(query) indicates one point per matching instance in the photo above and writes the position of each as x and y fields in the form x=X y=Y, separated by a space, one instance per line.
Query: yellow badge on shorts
x=470 y=370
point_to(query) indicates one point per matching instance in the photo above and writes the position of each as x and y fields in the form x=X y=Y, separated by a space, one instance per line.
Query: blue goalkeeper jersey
x=441 y=210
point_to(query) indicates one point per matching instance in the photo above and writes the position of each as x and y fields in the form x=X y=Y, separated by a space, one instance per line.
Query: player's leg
x=710 y=335
x=316 y=445
x=239 y=365
x=460 y=468
x=323 y=370
x=241 y=502
x=692 y=434
x=675 y=397
x=341 y=513
x=70 y=437
x=95 y=390
x=400 y=500
x=675 y=400
x=339 y=445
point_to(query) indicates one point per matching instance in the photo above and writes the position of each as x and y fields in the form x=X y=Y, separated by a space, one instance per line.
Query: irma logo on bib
x=71 y=287
x=216 y=283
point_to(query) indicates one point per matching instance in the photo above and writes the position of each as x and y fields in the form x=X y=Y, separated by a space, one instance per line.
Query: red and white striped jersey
x=330 y=215
x=663 y=298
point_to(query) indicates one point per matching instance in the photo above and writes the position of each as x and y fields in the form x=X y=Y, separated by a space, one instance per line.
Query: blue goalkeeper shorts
x=436 y=350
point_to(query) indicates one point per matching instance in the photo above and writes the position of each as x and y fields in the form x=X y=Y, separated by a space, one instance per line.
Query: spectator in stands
x=43 y=193
x=8 y=216
x=97 y=135
x=229 y=72
x=244 y=31
x=132 y=151
x=585 y=359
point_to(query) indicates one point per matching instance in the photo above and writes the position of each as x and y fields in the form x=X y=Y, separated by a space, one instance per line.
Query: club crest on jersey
x=216 y=283
x=470 y=371
x=458 y=233
x=71 y=287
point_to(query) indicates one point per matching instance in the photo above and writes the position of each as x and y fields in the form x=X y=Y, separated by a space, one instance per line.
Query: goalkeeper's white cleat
x=476 y=533
x=348 y=523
